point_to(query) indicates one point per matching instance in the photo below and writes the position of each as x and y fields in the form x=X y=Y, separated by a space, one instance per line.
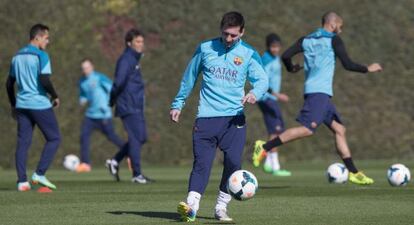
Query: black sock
x=350 y=165
x=272 y=144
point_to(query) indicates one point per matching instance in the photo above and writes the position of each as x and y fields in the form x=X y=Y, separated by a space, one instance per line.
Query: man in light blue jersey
x=225 y=63
x=320 y=50
x=268 y=104
x=94 y=89
x=31 y=70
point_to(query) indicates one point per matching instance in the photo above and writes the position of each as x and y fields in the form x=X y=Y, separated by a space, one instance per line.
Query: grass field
x=305 y=198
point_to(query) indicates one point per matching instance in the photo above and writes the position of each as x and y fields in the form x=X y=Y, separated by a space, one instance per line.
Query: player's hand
x=296 y=68
x=249 y=98
x=175 y=115
x=282 y=97
x=13 y=113
x=375 y=67
x=56 y=103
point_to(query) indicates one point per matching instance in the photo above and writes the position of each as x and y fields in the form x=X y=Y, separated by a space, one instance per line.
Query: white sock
x=193 y=200
x=223 y=199
x=275 y=160
x=268 y=161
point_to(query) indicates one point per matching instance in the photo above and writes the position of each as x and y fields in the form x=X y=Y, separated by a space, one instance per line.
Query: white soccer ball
x=398 y=175
x=242 y=185
x=70 y=162
x=337 y=173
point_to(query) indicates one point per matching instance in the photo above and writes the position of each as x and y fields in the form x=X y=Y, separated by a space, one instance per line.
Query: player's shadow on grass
x=152 y=214
x=275 y=187
x=6 y=189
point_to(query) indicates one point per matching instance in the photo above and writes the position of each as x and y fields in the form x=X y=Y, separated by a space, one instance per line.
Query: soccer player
x=31 y=70
x=127 y=95
x=268 y=103
x=225 y=62
x=94 y=89
x=320 y=49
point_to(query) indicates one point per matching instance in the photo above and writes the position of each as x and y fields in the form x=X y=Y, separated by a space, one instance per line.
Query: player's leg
x=204 y=151
x=88 y=125
x=272 y=158
x=113 y=164
x=48 y=125
x=134 y=125
x=232 y=144
x=310 y=117
x=24 y=139
x=333 y=121
x=268 y=119
x=107 y=128
x=278 y=126
x=341 y=144
x=261 y=148
x=122 y=153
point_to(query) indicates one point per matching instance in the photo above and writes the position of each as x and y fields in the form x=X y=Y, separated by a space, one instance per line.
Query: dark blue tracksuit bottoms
x=47 y=123
x=103 y=125
x=226 y=133
x=134 y=125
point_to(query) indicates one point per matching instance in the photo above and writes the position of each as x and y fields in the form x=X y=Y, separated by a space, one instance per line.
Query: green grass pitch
x=304 y=198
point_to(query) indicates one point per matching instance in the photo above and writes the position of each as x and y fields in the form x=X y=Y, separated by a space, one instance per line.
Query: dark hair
x=131 y=34
x=37 y=29
x=272 y=38
x=86 y=59
x=232 y=19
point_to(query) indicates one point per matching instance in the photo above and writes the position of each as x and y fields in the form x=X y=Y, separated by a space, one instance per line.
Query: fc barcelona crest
x=238 y=61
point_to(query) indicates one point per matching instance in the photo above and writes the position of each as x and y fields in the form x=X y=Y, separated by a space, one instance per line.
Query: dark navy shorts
x=272 y=116
x=316 y=110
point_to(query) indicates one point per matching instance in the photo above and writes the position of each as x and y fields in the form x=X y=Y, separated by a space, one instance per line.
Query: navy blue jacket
x=128 y=89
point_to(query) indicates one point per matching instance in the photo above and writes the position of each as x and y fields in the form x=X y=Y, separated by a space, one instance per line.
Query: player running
x=225 y=62
x=94 y=89
x=268 y=104
x=127 y=95
x=320 y=49
x=31 y=70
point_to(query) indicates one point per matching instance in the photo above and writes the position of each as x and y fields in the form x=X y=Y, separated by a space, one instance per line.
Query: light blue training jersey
x=27 y=65
x=273 y=69
x=319 y=62
x=94 y=90
x=225 y=71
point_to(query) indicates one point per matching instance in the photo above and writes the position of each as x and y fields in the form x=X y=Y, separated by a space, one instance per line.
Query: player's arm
x=10 y=91
x=83 y=99
x=11 y=94
x=121 y=78
x=257 y=78
x=187 y=84
x=347 y=63
x=44 y=78
x=274 y=83
x=340 y=52
x=11 y=79
x=105 y=83
x=287 y=56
